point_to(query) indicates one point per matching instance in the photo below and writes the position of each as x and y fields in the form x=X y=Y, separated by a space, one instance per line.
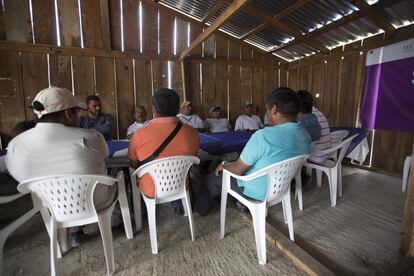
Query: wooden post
x=407 y=232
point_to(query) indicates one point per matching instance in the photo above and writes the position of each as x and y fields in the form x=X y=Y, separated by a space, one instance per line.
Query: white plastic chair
x=406 y=171
x=279 y=176
x=11 y=227
x=69 y=199
x=169 y=176
x=332 y=168
x=336 y=138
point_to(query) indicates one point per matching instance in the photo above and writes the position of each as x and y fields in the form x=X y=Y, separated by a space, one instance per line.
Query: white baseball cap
x=54 y=99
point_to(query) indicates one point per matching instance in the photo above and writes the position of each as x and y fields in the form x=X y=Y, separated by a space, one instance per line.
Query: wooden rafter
x=213 y=11
x=194 y=22
x=295 y=6
x=343 y=21
x=277 y=24
x=229 y=12
x=374 y=15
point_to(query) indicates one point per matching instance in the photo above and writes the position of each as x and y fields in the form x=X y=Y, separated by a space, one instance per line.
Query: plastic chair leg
x=308 y=171
x=319 y=178
x=259 y=225
x=53 y=247
x=288 y=207
x=339 y=179
x=123 y=204
x=150 y=203
x=284 y=212
x=298 y=189
x=333 y=185
x=184 y=206
x=407 y=163
x=104 y=222
x=47 y=219
x=2 y=242
x=187 y=207
x=224 y=194
x=136 y=197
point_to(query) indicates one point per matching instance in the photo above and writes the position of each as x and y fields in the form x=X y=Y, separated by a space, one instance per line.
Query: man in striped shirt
x=325 y=141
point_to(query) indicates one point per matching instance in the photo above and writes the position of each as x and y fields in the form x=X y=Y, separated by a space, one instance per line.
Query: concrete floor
x=361 y=235
x=27 y=253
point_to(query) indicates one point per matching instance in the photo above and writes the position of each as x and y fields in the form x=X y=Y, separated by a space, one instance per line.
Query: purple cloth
x=389 y=96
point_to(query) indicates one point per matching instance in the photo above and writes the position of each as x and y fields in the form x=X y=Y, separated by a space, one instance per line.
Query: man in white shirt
x=215 y=123
x=140 y=117
x=186 y=116
x=248 y=121
x=56 y=145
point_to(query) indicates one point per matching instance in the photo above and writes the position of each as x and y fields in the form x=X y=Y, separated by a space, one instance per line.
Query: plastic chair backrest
x=281 y=174
x=343 y=146
x=338 y=136
x=68 y=197
x=168 y=174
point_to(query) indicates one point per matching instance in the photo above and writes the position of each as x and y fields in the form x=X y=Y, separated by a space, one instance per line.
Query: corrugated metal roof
x=238 y=24
x=351 y=31
x=272 y=7
x=195 y=8
x=268 y=37
x=314 y=14
x=401 y=13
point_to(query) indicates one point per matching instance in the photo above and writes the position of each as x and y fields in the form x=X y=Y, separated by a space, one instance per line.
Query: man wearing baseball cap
x=215 y=123
x=186 y=116
x=56 y=145
x=248 y=121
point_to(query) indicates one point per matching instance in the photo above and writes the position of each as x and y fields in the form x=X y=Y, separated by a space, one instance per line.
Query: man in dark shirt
x=101 y=122
x=25 y=125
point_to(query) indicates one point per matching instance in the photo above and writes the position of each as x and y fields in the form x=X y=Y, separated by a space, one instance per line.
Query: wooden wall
x=124 y=68
x=339 y=80
x=115 y=64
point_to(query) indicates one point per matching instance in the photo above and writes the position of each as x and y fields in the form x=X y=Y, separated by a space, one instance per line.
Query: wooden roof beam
x=295 y=6
x=234 y=7
x=280 y=26
x=213 y=10
x=184 y=17
x=374 y=15
x=345 y=20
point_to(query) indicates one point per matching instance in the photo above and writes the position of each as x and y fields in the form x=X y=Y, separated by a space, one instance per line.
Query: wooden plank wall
x=339 y=81
x=239 y=75
x=121 y=82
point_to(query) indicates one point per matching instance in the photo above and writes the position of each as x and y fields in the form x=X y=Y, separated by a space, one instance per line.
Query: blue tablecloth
x=229 y=141
x=213 y=143
x=362 y=134
x=3 y=152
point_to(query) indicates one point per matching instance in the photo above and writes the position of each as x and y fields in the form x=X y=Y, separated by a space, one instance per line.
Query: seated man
x=248 y=121
x=283 y=139
x=95 y=119
x=324 y=142
x=140 y=117
x=215 y=123
x=146 y=140
x=305 y=116
x=186 y=116
x=58 y=146
x=25 y=125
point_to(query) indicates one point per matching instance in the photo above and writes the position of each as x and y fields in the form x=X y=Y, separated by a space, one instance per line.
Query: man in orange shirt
x=165 y=105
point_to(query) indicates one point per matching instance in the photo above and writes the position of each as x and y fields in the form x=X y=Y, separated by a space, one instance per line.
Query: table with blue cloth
x=358 y=149
x=213 y=143
x=234 y=141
